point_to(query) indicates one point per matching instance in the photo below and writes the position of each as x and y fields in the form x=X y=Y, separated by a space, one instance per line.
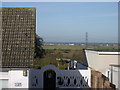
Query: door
x=49 y=80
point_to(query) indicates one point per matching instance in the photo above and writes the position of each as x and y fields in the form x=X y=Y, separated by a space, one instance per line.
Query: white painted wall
x=78 y=74
x=34 y=78
x=87 y=74
x=100 y=61
x=115 y=75
x=17 y=80
x=38 y=74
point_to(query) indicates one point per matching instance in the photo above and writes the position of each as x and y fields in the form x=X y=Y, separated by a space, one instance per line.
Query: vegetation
x=65 y=51
x=39 y=51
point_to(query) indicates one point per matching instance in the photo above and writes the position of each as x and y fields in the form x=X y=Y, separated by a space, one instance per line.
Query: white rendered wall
x=36 y=77
x=100 y=61
x=17 y=80
x=87 y=74
x=115 y=76
x=84 y=75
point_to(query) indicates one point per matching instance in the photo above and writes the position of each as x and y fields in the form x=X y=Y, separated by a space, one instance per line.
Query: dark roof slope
x=18 y=36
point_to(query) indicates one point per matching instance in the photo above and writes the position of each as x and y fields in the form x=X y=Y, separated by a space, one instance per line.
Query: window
x=3 y=83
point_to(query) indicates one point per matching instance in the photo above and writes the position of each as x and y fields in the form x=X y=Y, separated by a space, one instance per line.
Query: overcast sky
x=69 y=21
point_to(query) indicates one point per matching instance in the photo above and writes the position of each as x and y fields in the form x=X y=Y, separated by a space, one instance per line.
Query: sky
x=69 y=21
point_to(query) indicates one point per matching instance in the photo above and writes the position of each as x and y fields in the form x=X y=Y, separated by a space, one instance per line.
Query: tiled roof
x=18 y=36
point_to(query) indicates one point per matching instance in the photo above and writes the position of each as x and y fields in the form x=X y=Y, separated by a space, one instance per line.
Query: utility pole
x=86 y=38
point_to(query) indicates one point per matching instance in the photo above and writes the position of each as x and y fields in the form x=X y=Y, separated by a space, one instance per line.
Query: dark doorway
x=49 y=80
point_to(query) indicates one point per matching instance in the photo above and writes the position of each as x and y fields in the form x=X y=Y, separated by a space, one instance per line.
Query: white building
x=14 y=79
x=102 y=61
x=113 y=73
x=49 y=76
